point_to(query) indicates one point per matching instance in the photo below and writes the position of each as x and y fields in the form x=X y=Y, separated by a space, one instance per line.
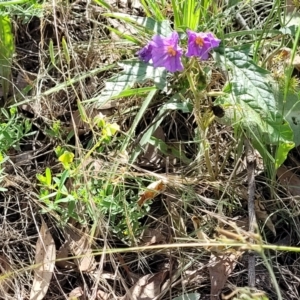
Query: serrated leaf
x=134 y=72
x=152 y=25
x=251 y=104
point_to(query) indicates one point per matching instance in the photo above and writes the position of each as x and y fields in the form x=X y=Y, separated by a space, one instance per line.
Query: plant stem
x=201 y=124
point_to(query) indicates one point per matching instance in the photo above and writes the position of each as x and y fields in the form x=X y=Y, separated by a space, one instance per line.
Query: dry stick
x=251 y=165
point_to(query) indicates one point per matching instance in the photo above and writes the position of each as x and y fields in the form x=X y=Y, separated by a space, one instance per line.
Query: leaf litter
x=45 y=260
x=220 y=265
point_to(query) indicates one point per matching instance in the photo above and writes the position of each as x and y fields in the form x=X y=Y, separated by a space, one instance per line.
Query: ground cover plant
x=149 y=149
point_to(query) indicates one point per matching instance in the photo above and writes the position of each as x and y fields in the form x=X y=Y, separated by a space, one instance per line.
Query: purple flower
x=166 y=52
x=145 y=53
x=199 y=44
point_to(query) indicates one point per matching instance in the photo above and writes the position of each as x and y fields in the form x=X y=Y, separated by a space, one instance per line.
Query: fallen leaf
x=289 y=180
x=147 y=288
x=76 y=294
x=80 y=246
x=151 y=191
x=45 y=256
x=200 y=234
x=263 y=215
x=220 y=267
x=103 y=295
x=6 y=283
x=222 y=261
x=63 y=253
x=152 y=236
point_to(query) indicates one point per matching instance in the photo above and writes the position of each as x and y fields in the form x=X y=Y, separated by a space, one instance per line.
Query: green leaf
x=134 y=72
x=6 y=53
x=41 y=178
x=48 y=177
x=153 y=8
x=66 y=50
x=251 y=106
x=291 y=112
x=13 y=2
x=103 y=4
x=155 y=27
x=192 y=13
x=172 y=104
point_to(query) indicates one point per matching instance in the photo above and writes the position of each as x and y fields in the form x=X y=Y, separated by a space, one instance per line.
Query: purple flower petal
x=145 y=53
x=166 y=52
x=200 y=44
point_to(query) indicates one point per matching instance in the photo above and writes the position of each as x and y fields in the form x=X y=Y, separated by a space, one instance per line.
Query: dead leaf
x=151 y=191
x=263 y=215
x=220 y=267
x=152 y=236
x=176 y=217
x=63 y=253
x=289 y=180
x=76 y=294
x=147 y=288
x=222 y=261
x=45 y=256
x=290 y=7
x=80 y=246
x=5 y=284
x=103 y=295
x=200 y=234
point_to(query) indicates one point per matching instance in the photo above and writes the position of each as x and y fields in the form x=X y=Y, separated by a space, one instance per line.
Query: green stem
x=201 y=124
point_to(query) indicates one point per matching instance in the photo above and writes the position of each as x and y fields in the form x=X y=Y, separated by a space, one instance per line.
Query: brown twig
x=251 y=164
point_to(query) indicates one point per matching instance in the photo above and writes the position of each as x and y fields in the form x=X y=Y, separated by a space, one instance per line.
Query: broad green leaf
x=292 y=24
x=134 y=72
x=150 y=24
x=291 y=112
x=251 y=106
x=6 y=53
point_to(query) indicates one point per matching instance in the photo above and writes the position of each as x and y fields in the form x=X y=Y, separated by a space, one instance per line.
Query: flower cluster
x=165 y=51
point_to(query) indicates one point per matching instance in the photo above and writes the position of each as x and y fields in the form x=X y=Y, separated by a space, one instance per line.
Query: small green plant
x=12 y=129
x=82 y=200
x=24 y=10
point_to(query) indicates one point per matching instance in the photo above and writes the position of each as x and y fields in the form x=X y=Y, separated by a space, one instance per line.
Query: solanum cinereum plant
x=166 y=52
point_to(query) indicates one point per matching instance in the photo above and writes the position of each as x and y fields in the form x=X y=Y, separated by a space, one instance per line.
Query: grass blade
x=6 y=53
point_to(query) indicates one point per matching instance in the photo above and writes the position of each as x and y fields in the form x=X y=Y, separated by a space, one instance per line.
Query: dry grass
x=189 y=191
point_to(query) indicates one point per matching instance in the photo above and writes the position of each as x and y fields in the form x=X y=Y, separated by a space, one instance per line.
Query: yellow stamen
x=171 y=51
x=199 y=41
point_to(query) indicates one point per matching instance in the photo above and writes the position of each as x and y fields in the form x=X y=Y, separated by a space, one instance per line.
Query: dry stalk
x=251 y=164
